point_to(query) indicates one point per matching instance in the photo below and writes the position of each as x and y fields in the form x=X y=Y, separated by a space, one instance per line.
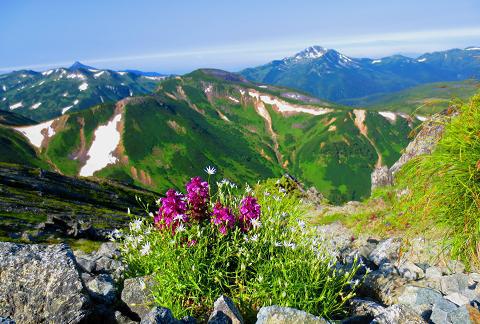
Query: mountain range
x=248 y=131
x=45 y=95
x=328 y=74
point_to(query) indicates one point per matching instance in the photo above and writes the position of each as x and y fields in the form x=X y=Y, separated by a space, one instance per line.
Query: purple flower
x=249 y=210
x=198 y=197
x=223 y=218
x=172 y=211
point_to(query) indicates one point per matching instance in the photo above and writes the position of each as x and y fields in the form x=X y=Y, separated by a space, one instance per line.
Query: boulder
x=465 y=314
x=474 y=277
x=101 y=287
x=440 y=311
x=382 y=287
x=457 y=299
x=365 y=308
x=386 y=252
x=159 y=315
x=286 y=315
x=455 y=283
x=413 y=295
x=136 y=294
x=410 y=271
x=398 y=314
x=225 y=311
x=41 y=283
x=433 y=273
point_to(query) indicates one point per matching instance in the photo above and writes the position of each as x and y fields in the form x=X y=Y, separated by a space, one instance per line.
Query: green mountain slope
x=211 y=117
x=423 y=100
x=46 y=95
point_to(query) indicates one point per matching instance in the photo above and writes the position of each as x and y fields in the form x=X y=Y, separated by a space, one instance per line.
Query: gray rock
x=109 y=250
x=413 y=295
x=225 y=311
x=363 y=307
x=457 y=299
x=453 y=267
x=410 y=271
x=381 y=177
x=454 y=283
x=136 y=294
x=101 y=287
x=464 y=315
x=159 y=315
x=386 y=251
x=475 y=277
x=40 y=283
x=398 y=314
x=433 y=273
x=383 y=287
x=86 y=265
x=122 y=319
x=110 y=266
x=6 y=320
x=286 y=315
x=440 y=311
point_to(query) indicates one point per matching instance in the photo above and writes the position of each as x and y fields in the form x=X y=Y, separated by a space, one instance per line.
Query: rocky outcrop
x=424 y=143
x=40 y=283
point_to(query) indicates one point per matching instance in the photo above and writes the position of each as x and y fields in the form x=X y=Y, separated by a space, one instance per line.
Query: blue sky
x=178 y=36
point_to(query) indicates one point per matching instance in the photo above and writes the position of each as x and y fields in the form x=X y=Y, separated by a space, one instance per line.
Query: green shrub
x=277 y=260
x=444 y=187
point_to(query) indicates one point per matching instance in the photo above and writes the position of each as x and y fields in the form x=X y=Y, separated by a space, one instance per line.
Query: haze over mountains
x=328 y=74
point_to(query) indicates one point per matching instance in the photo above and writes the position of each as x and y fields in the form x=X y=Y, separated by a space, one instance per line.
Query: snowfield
x=35 y=106
x=107 y=138
x=389 y=115
x=17 y=105
x=286 y=107
x=64 y=110
x=83 y=86
x=36 y=133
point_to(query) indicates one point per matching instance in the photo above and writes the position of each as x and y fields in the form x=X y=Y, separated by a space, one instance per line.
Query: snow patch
x=421 y=118
x=36 y=133
x=17 y=105
x=208 y=89
x=76 y=76
x=376 y=61
x=46 y=73
x=96 y=75
x=233 y=99
x=76 y=102
x=473 y=49
x=83 y=86
x=65 y=94
x=35 y=106
x=389 y=115
x=122 y=73
x=64 y=110
x=263 y=86
x=42 y=82
x=156 y=78
x=107 y=138
x=4 y=88
x=421 y=60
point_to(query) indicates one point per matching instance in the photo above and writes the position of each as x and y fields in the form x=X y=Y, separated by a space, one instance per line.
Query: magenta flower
x=223 y=218
x=172 y=211
x=249 y=210
x=198 y=197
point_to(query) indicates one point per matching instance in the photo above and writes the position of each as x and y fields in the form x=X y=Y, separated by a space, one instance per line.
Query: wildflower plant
x=251 y=244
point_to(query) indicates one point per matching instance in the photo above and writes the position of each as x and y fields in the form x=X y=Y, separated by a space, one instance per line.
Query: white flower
x=266 y=193
x=210 y=170
x=116 y=234
x=256 y=223
x=179 y=217
x=254 y=238
x=128 y=211
x=158 y=201
x=248 y=189
x=136 y=225
x=150 y=214
x=278 y=244
x=290 y=245
x=145 y=249
x=301 y=223
x=181 y=228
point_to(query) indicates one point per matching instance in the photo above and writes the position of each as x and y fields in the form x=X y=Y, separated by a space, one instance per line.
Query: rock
x=110 y=266
x=109 y=250
x=159 y=315
x=381 y=177
x=286 y=315
x=398 y=314
x=475 y=277
x=464 y=314
x=122 y=319
x=386 y=251
x=383 y=287
x=457 y=299
x=453 y=267
x=433 y=273
x=101 y=287
x=440 y=311
x=363 y=307
x=410 y=271
x=454 y=283
x=40 y=283
x=136 y=294
x=225 y=311
x=6 y=320
x=413 y=295
x=86 y=265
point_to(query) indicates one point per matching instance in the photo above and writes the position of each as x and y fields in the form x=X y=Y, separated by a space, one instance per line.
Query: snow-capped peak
x=311 y=52
x=472 y=48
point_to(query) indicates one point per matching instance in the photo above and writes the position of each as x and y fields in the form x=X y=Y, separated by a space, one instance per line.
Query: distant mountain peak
x=312 y=52
x=78 y=65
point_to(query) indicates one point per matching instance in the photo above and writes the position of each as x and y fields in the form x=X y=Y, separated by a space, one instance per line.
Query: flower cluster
x=223 y=218
x=172 y=212
x=198 y=198
x=249 y=213
x=177 y=210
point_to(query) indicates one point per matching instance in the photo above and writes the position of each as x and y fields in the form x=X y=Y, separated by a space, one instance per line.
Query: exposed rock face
x=40 y=283
x=225 y=311
x=286 y=315
x=424 y=143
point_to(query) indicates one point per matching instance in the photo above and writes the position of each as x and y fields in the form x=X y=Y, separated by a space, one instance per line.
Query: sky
x=178 y=36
